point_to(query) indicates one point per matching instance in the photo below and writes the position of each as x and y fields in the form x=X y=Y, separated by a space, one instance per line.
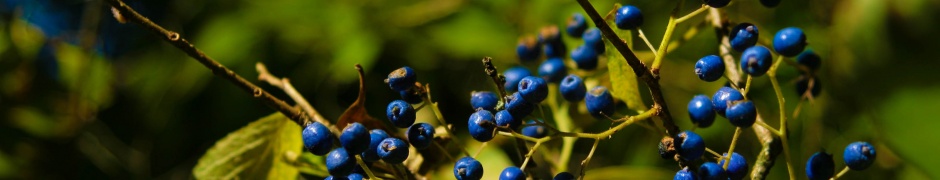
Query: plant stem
x=670 y=28
x=588 y=158
x=841 y=173
x=365 y=168
x=783 y=114
x=647 y=41
x=734 y=141
x=692 y=14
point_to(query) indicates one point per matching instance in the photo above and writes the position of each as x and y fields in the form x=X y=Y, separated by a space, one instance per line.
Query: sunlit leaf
x=903 y=121
x=623 y=80
x=260 y=150
x=311 y=164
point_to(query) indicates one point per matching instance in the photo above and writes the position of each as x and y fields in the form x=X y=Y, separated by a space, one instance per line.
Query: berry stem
x=129 y=14
x=365 y=168
x=444 y=150
x=747 y=86
x=646 y=40
x=479 y=150
x=440 y=119
x=692 y=14
x=734 y=141
x=284 y=84
x=768 y=127
x=841 y=173
x=528 y=156
x=588 y=158
x=714 y=153
x=772 y=73
x=670 y=29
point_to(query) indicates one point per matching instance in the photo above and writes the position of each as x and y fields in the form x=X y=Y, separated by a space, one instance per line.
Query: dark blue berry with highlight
x=393 y=150
x=820 y=166
x=701 y=111
x=593 y=39
x=859 y=155
x=685 y=174
x=599 y=102
x=534 y=130
x=756 y=60
x=789 y=41
x=533 y=89
x=550 y=38
x=317 y=138
x=485 y=100
x=742 y=114
x=420 y=135
x=505 y=119
x=628 y=17
x=468 y=168
x=355 y=138
x=738 y=168
x=482 y=126
x=411 y=96
x=743 y=36
x=690 y=145
x=712 y=171
x=553 y=70
x=723 y=97
x=339 y=163
x=512 y=173
x=710 y=68
x=513 y=76
x=585 y=57
x=518 y=107
x=576 y=25
x=401 y=113
x=528 y=49
x=402 y=78
x=572 y=88
x=375 y=138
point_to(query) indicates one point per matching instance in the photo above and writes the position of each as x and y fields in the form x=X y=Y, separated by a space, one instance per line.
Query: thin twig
x=218 y=69
x=284 y=84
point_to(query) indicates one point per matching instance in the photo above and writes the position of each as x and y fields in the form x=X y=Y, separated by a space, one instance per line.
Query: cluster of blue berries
x=857 y=156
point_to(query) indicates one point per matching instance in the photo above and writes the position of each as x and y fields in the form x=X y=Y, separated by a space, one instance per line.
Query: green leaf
x=311 y=164
x=623 y=79
x=262 y=150
x=629 y=172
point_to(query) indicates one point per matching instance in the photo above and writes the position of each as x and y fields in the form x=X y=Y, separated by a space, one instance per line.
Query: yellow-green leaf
x=623 y=80
x=263 y=149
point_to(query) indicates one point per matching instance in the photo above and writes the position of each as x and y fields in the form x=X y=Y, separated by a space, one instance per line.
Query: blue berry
x=355 y=138
x=468 y=168
x=810 y=59
x=789 y=41
x=481 y=126
x=803 y=85
x=505 y=119
x=513 y=76
x=717 y=3
x=685 y=174
x=723 y=97
x=689 y=145
x=572 y=88
x=317 y=138
x=820 y=166
x=738 y=167
x=743 y=36
x=411 y=96
x=584 y=57
x=576 y=25
x=553 y=69
x=393 y=150
x=512 y=173
x=375 y=138
x=533 y=89
x=400 y=113
x=335 y=178
x=564 y=176
x=711 y=171
x=485 y=100
x=710 y=68
x=628 y=17
x=355 y=176
x=859 y=155
x=593 y=39
x=742 y=114
x=599 y=102
x=528 y=49
x=339 y=163
x=402 y=78
x=701 y=111
x=756 y=60
x=533 y=130
x=550 y=38
x=518 y=107
x=420 y=135
x=770 y=3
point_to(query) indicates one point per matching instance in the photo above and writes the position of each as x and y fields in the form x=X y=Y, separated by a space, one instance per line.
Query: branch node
x=257 y=92
x=173 y=36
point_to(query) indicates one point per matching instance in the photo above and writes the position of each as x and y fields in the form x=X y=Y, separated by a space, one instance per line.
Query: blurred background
x=83 y=96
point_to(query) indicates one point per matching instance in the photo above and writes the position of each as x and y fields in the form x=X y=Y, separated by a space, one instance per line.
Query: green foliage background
x=152 y=112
